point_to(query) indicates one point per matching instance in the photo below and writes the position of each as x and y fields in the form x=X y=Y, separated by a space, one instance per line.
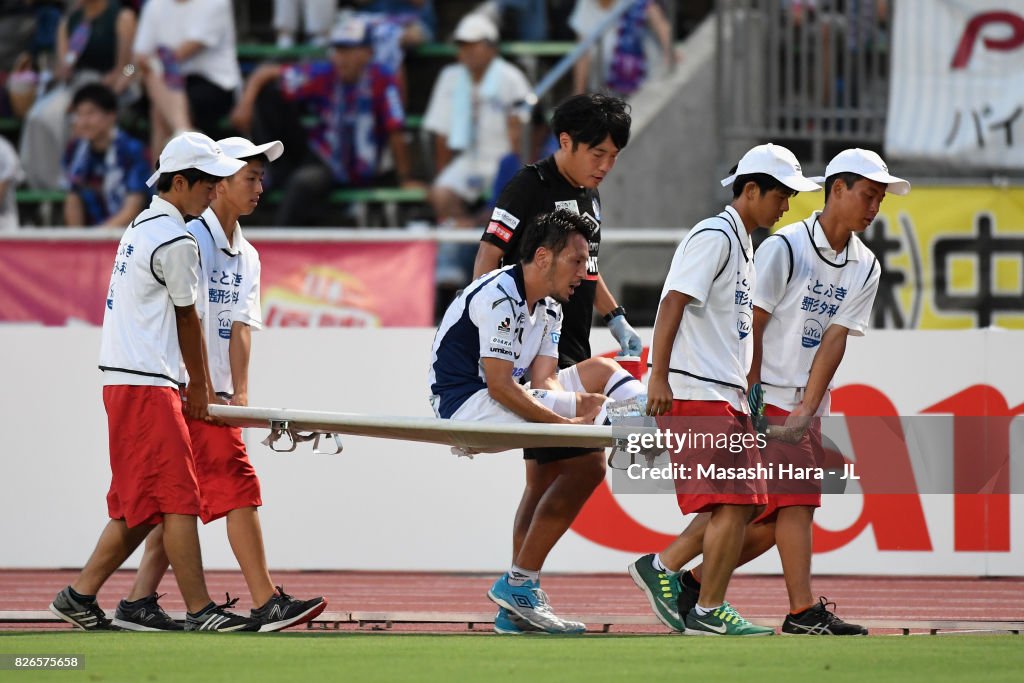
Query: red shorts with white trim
x=227 y=480
x=699 y=494
x=151 y=465
x=809 y=453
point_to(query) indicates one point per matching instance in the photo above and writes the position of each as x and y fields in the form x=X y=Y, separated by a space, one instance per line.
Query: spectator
x=529 y=17
x=186 y=50
x=105 y=169
x=416 y=17
x=93 y=44
x=11 y=174
x=356 y=114
x=317 y=19
x=472 y=113
x=622 y=47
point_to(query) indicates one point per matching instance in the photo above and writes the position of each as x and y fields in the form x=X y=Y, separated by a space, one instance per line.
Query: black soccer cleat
x=819 y=620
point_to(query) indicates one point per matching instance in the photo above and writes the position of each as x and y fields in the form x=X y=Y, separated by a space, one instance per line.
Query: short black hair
x=191 y=175
x=257 y=157
x=848 y=179
x=765 y=183
x=552 y=231
x=591 y=117
x=98 y=94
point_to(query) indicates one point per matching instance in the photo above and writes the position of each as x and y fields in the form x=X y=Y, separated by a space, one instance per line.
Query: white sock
x=622 y=386
x=517 y=576
x=704 y=611
x=659 y=565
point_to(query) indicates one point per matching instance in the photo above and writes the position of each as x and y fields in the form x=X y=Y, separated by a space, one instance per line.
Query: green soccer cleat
x=724 y=621
x=661 y=589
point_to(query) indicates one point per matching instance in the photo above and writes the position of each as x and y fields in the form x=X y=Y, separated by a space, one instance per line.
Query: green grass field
x=397 y=657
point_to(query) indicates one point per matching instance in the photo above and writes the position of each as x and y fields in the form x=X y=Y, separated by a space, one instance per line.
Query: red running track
x=900 y=598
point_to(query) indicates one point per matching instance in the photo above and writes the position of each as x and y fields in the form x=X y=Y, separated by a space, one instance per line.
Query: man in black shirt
x=591 y=130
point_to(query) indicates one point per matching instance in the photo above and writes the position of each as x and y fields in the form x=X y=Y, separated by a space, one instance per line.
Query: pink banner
x=304 y=284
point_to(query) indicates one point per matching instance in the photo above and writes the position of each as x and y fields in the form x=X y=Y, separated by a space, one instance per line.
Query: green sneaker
x=661 y=589
x=724 y=621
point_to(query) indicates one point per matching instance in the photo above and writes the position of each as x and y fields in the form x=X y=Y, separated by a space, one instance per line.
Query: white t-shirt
x=711 y=353
x=169 y=23
x=489 y=137
x=156 y=268
x=12 y=173
x=586 y=16
x=808 y=287
x=490 y=319
x=231 y=293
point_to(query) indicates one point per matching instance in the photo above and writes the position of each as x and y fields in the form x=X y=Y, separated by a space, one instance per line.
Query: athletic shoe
x=510 y=624
x=531 y=604
x=724 y=621
x=689 y=592
x=215 y=617
x=85 y=615
x=819 y=620
x=282 y=611
x=144 y=615
x=661 y=589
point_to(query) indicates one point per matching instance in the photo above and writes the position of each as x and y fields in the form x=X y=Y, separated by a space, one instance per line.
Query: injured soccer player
x=495 y=359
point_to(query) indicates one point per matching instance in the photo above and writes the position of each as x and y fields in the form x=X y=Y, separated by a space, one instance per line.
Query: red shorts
x=701 y=494
x=788 y=492
x=151 y=465
x=227 y=480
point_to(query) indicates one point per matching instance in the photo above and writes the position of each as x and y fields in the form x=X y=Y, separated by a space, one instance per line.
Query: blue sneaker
x=531 y=604
x=509 y=624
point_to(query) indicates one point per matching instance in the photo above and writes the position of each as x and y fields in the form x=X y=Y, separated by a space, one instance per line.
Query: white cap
x=865 y=163
x=240 y=148
x=776 y=161
x=195 y=150
x=351 y=32
x=476 y=27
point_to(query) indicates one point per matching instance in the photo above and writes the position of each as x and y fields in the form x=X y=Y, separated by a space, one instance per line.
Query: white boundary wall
x=396 y=505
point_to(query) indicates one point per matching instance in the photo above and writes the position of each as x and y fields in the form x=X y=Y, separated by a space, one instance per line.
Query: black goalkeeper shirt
x=538 y=189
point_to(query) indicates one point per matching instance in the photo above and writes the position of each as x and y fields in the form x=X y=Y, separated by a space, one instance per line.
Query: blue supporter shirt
x=351 y=122
x=103 y=180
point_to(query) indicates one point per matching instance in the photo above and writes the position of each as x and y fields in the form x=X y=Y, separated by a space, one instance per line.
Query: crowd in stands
x=92 y=89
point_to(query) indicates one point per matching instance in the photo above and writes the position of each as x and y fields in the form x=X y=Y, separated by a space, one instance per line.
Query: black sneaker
x=85 y=615
x=689 y=591
x=819 y=620
x=282 y=611
x=215 y=617
x=144 y=615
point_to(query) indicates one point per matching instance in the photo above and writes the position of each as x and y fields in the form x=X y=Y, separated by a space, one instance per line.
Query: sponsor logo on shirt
x=505 y=326
x=555 y=336
x=518 y=372
x=505 y=217
x=569 y=205
x=501 y=341
x=501 y=351
x=743 y=325
x=500 y=231
x=224 y=324
x=812 y=333
x=597 y=210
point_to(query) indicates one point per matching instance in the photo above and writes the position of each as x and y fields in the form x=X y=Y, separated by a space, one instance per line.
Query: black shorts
x=545 y=455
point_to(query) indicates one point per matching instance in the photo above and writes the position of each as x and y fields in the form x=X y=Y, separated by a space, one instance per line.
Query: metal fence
x=813 y=73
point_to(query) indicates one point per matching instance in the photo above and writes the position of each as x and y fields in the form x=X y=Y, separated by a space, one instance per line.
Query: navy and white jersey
x=808 y=287
x=538 y=189
x=490 y=319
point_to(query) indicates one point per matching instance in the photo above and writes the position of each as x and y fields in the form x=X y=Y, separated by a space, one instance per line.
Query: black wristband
x=618 y=310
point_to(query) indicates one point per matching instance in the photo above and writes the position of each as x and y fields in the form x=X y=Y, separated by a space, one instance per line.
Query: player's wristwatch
x=618 y=310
